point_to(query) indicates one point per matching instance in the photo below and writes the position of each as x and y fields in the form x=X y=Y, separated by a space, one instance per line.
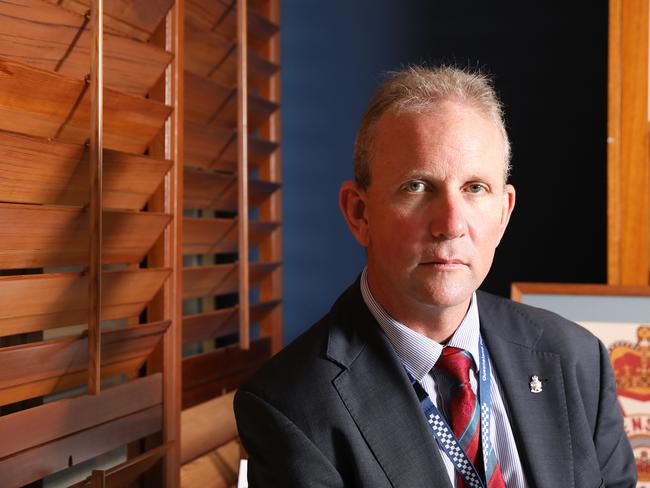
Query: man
x=414 y=379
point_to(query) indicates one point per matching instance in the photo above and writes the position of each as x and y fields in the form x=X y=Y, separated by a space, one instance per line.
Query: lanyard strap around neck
x=445 y=436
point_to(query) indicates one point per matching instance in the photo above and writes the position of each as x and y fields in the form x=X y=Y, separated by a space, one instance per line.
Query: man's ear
x=352 y=202
x=507 y=207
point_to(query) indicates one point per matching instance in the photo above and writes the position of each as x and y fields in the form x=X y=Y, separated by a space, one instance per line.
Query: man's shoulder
x=552 y=331
x=295 y=364
x=306 y=362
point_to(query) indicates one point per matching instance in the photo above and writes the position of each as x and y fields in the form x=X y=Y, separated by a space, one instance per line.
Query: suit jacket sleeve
x=279 y=453
x=617 y=464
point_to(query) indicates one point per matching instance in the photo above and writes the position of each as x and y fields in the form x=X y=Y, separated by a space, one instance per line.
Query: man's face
x=436 y=207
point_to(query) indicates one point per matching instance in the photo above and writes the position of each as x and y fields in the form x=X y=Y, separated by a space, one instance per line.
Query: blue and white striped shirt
x=420 y=353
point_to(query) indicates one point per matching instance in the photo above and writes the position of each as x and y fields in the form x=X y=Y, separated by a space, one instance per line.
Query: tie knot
x=456 y=362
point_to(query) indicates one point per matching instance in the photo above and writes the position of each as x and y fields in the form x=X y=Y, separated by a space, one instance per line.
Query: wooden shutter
x=69 y=392
x=232 y=278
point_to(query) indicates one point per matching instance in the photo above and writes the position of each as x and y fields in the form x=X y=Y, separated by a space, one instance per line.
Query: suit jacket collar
x=392 y=424
x=539 y=421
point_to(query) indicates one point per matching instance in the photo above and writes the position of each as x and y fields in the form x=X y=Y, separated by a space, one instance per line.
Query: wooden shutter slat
x=259 y=110
x=47 y=171
x=219 y=279
x=55 y=39
x=221 y=322
x=222 y=362
x=136 y=18
x=207 y=426
x=216 y=148
x=58 y=106
x=129 y=471
x=217 y=236
x=259 y=150
x=218 y=191
x=53 y=384
x=41 y=368
x=209 y=236
x=205 y=146
x=221 y=17
x=208 y=375
x=26 y=428
x=34 y=236
x=205 y=99
x=206 y=391
x=38 y=302
x=211 y=56
x=40 y=461
x=210 y=103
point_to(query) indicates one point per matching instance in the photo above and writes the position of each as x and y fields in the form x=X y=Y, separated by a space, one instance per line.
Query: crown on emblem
x=631 y=363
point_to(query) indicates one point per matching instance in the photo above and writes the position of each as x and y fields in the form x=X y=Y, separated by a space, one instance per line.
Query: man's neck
x=433 y=321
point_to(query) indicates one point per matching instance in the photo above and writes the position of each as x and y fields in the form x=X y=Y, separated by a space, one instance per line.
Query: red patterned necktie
x=465 y=412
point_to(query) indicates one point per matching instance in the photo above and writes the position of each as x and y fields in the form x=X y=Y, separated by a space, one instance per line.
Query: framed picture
x=620 y=317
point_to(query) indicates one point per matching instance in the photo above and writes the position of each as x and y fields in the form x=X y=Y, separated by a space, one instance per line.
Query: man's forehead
x=453 y=128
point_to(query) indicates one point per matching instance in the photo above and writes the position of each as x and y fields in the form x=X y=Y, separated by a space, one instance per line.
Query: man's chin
x=445 y=297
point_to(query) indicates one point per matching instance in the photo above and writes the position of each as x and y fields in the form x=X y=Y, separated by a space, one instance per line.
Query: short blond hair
x=419 y=89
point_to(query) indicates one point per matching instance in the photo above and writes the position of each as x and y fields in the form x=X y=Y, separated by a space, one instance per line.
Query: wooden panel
x=58 y=106
x=221 y=322
x=210 y=103
x=628 y=147
x=207 y=426
x=40 y=461
x=55 y=39
x=34 y=236
x=221 y=17
x=216 y=148
x=218 y=191
x=27 y=429
x=219 y=279
x=218 y=469
x=37 y=170
x=211 y=56
x=217 y=236
x=211 y=374
x=38 y=302
x=40 y=368
x=136 y=18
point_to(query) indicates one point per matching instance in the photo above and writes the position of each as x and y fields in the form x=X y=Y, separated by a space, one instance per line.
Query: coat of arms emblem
x=631 y=364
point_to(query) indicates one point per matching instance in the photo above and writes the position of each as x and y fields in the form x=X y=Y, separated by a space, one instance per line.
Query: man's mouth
x=443 y=263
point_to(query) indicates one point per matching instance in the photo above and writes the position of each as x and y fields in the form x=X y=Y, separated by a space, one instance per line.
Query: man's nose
x=448 y=219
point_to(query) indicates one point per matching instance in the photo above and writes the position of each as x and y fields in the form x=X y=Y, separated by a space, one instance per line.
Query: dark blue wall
x=332 y=55
x=550 y=69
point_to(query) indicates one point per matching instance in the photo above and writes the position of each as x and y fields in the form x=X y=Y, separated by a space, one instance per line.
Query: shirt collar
x=417 y=352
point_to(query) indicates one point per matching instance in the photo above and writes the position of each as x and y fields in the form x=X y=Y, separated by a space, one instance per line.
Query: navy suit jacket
x=335 y=408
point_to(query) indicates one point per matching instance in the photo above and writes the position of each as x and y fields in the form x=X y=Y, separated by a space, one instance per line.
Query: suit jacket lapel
x=380 y=399
x=539 y=421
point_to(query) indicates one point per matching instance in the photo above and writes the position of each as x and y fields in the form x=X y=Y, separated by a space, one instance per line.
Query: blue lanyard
x=444 y=435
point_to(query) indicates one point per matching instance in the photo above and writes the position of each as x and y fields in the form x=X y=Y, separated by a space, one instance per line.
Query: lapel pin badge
x=535 y=384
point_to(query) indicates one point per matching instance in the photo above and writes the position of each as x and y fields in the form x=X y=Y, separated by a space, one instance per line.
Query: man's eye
x=476 y=188
x=415 y=187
